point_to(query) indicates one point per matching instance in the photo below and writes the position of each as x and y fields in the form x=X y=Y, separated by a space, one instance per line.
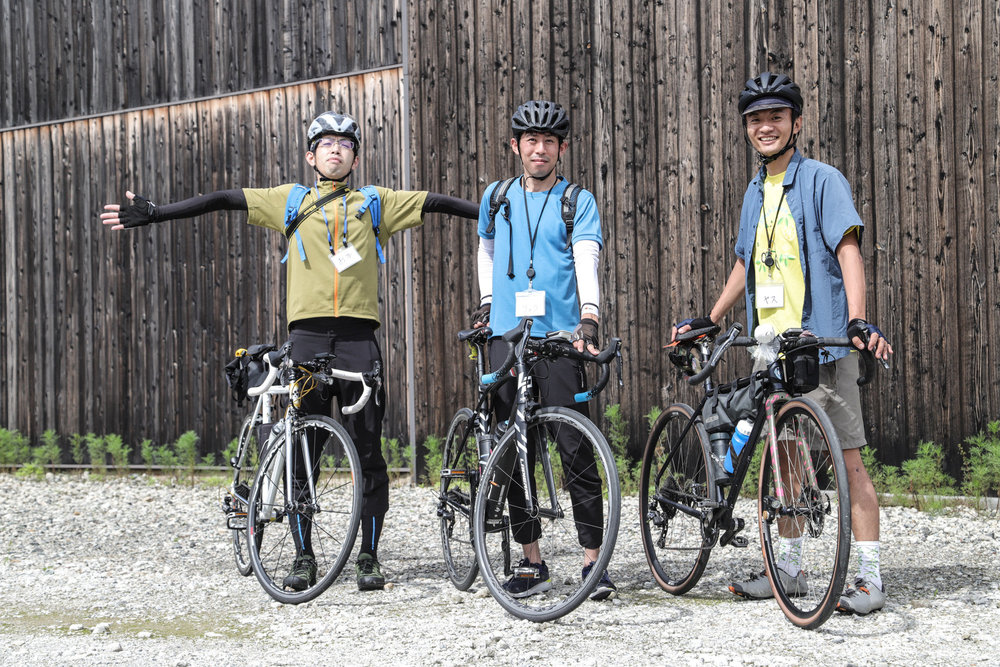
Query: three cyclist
x=534 y=259
x=332 y=295
x=799 y=264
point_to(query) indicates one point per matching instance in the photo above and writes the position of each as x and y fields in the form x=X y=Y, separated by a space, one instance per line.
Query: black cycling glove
x=863 y=329
x=481 y=315
x=696 y=323
x=586 y=331
x=141 y=212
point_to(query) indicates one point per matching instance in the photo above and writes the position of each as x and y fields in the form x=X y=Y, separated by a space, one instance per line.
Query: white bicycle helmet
x=337 y=124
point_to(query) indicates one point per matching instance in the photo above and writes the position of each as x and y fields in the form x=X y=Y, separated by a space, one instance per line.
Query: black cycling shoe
x=369 y=573
x=303 y=574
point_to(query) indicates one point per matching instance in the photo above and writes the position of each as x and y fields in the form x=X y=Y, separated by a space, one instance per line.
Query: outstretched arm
x=438 y=203
x=140 y=211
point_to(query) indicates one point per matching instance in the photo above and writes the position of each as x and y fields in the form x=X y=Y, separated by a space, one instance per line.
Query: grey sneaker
x=758 y=587
x=862 y=599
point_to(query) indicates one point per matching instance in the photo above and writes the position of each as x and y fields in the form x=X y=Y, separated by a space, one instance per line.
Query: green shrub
x=231 y=450
x=433 y=452
x=14 y=448
x=30 y=470
x=208 y=459
x=982 y=463
x=147 y=452
x=397 y=456
x=77 y=448
x=119 y=453
x=98 y=453
x=187 y=451
x=49 y=452
x=165 y=456
x=925 y=474
x=653 y=414
x=618 y=438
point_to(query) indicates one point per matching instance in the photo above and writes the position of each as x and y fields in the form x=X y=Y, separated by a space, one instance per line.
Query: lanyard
x=532 y=236
x=329 y=237
x=767 y=256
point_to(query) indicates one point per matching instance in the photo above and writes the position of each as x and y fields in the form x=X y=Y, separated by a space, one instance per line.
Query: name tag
x=770 y=295
x=347 y=257
x=529 y=303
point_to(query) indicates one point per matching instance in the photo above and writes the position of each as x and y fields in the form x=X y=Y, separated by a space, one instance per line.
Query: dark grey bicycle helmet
x=337 y=124
x=770 y=91
x=540 y=116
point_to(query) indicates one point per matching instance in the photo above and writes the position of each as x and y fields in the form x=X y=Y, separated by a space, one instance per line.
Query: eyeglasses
x=331 y=143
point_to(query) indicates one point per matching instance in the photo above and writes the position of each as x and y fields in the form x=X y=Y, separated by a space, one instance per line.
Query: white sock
x=790 y=554
x=869 y=567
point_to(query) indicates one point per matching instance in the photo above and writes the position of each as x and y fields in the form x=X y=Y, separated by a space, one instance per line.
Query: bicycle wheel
x=325 y=525
x=805 y=514
x=243 y=475
x=579 y=506
x=674 y=486
x=459 y=476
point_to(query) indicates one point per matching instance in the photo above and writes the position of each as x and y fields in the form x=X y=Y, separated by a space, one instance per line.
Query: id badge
x=347 y=257
x=529 y=303
x=770 y=295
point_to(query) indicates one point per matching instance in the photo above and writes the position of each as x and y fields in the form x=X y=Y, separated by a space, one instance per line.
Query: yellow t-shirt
x=314 y=287
x=784 y=248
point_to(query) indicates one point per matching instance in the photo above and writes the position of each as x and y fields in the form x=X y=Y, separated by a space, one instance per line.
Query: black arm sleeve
x=223 y=200
x=438 y=203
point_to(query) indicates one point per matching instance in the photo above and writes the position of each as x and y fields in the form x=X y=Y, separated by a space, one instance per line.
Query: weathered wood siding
x=902 y=98
x=127 y=333
x=66 y=58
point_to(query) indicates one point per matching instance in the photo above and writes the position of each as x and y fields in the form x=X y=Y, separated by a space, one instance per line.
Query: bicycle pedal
x=739 y=542
x=236 y=521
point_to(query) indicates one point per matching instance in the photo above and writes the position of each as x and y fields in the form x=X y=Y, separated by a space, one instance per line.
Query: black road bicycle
x=687 y=496
x=478 y=512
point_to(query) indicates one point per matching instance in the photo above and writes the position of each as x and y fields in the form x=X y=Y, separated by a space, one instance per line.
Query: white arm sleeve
x=586 y=255
x=485 y=260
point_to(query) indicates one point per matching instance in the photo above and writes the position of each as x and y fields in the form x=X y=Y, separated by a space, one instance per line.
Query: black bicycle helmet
x=337 y=124
x=540 y=116
x=770 y=91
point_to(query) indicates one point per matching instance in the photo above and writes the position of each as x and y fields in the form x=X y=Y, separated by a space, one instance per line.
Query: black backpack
x=498 y=199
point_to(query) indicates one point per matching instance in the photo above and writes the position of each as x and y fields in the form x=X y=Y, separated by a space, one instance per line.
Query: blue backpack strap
x=373 y=204
x=569 y=197
x=292 y=206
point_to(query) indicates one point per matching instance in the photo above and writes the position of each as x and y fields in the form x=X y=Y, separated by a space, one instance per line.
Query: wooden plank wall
x=901 y=98
x=67 y=58
x=128 y=332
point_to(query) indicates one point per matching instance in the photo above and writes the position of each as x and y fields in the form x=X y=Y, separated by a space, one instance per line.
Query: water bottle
x=740 y=437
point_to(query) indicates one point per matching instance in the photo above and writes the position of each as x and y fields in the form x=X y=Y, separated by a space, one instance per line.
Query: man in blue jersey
x=525 y=261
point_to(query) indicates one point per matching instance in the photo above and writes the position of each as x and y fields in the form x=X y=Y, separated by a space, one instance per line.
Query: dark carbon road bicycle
x=687 y=497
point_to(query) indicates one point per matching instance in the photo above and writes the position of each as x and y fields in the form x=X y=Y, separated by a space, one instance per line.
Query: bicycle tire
x=330 y=519
x=674 y=542
x=243 y=476
x=559 y=542
x=455 y=500
x=815 y=507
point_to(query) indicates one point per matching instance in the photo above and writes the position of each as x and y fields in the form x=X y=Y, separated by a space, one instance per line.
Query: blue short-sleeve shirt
x=819 y=199
x=553 y=263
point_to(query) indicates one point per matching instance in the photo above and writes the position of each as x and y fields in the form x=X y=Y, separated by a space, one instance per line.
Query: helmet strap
x=768 y=159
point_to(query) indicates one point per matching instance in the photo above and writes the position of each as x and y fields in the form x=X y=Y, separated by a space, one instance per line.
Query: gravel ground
x=140 y=571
